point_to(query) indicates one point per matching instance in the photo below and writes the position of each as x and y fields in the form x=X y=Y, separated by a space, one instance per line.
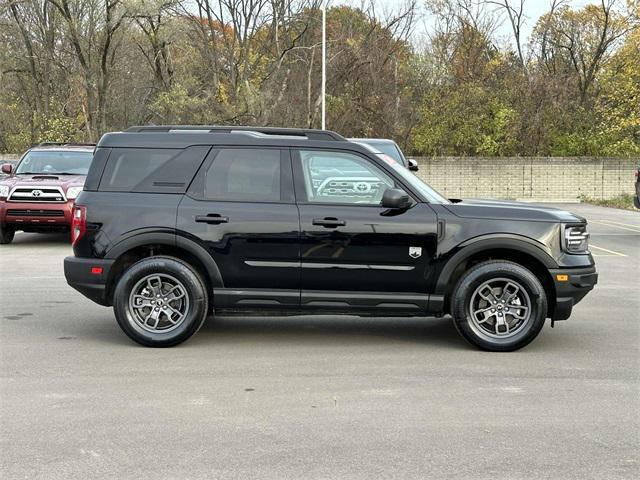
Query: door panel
x=371 y=252
x=257 y=245
x=254 y=242
x=348 y=241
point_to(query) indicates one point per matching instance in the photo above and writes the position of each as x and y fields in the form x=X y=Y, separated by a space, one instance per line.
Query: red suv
x=39 y=192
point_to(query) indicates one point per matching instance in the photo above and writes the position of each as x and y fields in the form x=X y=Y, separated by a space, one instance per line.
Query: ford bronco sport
x=175 y=223
x=39 y=192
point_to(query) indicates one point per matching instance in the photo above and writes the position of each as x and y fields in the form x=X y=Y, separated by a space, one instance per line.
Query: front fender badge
x=415 y=252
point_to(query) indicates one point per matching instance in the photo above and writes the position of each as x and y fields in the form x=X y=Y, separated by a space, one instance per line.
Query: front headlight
x=576 y=238
x=4 y=191
x=73 y=192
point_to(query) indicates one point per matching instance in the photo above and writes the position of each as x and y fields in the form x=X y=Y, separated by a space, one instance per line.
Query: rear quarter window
x=151 y=170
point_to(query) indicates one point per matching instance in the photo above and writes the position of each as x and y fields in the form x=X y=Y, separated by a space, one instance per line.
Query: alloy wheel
x=159 y=303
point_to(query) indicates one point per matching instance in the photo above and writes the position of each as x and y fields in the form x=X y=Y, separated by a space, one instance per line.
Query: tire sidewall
x=6 y=234
x=480 y=274
x=195 y=291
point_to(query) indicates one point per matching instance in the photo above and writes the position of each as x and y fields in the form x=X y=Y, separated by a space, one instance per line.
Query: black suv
x=178 y=222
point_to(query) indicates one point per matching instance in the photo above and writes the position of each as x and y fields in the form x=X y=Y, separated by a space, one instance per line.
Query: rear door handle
x=328 y=222
x=212 y=218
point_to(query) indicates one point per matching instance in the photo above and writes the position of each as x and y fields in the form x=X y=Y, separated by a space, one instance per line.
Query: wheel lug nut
x=493 y=309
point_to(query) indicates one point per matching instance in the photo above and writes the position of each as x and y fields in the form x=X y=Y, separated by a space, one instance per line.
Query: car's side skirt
x=325 y=301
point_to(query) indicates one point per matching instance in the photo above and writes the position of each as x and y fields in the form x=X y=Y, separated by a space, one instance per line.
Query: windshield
x=425 y=190
x=389 y=148
x=55 y=162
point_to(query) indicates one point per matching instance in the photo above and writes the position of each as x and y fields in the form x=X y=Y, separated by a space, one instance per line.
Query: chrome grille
x=23 y=193
x=363 y=188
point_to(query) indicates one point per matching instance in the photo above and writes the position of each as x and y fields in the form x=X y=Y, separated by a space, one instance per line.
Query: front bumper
x=579 y=282
x=36 y=216
x=81 y=274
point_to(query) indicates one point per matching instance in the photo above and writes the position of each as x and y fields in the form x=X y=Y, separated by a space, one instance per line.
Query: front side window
x=242 y=174
x=339 y=177
x=55 y=163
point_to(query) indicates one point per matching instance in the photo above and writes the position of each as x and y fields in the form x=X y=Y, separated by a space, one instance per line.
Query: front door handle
x=328 y=222
x=212 y=218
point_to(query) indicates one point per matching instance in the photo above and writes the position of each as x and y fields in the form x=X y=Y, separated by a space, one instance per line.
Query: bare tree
x=91 y=27
x=587 y=39
x=515 y=13
x=37 y=27
x=150 y=17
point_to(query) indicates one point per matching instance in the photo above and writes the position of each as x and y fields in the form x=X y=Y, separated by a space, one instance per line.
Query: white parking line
x=618 y=254
x=600 y=222
x=620 y=223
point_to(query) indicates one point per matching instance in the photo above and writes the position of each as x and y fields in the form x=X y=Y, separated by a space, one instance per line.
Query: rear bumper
x=580 y=281
x=78 y=272
x=36 y=216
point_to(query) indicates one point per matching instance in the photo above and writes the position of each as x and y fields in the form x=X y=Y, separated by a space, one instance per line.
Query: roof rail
x=309 y=133
x=65 y=144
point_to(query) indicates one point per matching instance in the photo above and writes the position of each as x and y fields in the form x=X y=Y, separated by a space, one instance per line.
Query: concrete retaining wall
x=521 y=178
x=529 y=178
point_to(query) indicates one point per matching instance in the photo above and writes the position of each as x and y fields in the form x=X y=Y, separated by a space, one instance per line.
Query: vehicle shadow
x=23 y=238
x=309 y=330
x=330 y=330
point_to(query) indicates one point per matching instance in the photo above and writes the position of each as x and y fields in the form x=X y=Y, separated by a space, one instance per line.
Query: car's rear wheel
x=6 y=234
x=636 y=201
x=499 y=306
x=160 y=301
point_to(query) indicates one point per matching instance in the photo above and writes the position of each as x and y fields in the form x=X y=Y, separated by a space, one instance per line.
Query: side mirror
x=7 y=168
x=413 y=165
x=396 y=199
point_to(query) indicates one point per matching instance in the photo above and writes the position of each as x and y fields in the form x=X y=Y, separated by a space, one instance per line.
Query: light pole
x=324 y=61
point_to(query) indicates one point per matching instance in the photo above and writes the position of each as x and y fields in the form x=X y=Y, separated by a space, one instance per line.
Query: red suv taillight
x=78 y=224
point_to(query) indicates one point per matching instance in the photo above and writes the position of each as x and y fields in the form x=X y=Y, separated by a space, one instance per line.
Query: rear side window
x=151 y=170
x=239 y=174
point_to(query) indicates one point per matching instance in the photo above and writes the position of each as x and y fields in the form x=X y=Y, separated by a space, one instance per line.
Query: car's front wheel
x=6 y=234
x=160 y=301
x=499 y=306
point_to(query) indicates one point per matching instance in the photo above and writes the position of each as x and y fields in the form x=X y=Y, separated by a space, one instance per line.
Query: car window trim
x=196 y=189
x=300 y=188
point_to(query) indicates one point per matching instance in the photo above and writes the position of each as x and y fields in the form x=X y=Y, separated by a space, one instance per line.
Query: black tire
x=6 y=235
x=477 y=333
x=636 y=201
x=195 y=294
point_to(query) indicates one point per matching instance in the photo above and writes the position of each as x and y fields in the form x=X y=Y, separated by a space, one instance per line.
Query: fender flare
x=492 y=242
x=172 y=239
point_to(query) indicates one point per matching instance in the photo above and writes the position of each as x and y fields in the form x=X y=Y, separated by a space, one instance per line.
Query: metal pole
x=324 y=60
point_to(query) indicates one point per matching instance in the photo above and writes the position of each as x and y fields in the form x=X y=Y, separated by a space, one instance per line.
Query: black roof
x=309 y=133
x=182 y=136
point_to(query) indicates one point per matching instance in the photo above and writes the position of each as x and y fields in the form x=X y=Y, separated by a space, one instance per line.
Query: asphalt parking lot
x=317 y=397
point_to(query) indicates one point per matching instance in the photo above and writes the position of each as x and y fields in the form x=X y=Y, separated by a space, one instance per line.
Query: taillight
x=78 y=224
